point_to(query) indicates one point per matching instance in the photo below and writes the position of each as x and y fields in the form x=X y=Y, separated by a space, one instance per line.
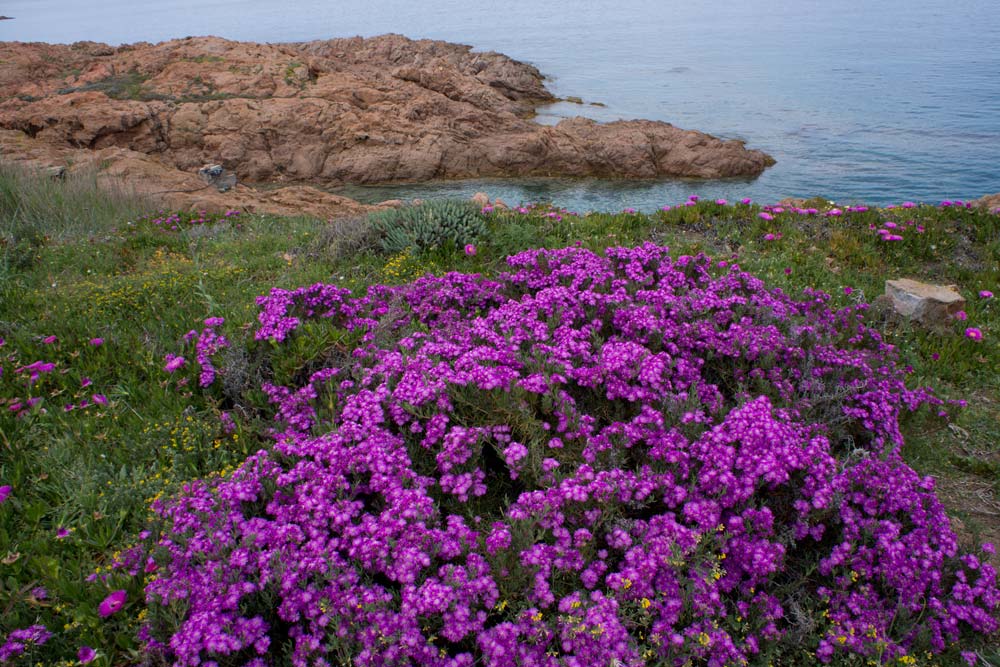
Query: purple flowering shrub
x=588 y=459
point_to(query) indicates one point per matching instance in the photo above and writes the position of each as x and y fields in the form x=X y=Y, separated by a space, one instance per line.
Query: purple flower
x=49 y=340
x=173 y=363
x=97 y=342
x=629 y=210
x=974 y=333
x=111 y=604
x=212 y=322
x=765 y=216
x=721 y=202
x=746 y=201
x=586 y=375
x=5 y=492
x=960 y=315
x=985 y=294
x=85 y=655
x=470 y=249
x=62 y=533
x=970 y=657
x=100 y=399
x=848 y=290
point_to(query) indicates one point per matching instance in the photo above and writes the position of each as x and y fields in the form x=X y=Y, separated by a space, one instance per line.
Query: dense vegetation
x=141 y=372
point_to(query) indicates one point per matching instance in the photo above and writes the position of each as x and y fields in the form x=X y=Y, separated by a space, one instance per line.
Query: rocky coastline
x=324 y=113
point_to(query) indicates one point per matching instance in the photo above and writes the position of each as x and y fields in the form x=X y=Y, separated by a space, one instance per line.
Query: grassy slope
x=77 y=265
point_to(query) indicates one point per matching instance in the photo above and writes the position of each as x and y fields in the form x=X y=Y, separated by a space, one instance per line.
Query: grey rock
x=216 y=174
x=930 y=305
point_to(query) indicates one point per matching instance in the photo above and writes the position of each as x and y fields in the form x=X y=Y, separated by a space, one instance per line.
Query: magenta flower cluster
x=27 y=388
x=19 y=641
x=590 y=460
x=172 y=222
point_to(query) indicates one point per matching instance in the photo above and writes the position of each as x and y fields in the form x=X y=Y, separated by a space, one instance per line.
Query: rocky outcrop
x=121 y=169
x=990 y=202
x=384 y=109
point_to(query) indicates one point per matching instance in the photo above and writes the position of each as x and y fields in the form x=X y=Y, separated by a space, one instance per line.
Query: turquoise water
x=857 y=100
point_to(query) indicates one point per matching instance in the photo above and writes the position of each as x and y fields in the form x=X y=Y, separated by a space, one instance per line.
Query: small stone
x=930 y=305
x=501 y=204
x=392 y=203
x=210 y=172
x=215 y=174
x=481 y=198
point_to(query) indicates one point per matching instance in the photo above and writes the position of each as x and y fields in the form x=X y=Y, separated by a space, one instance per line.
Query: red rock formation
x=331 y=112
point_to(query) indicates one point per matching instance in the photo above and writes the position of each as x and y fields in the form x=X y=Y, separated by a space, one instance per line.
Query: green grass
x=79 y=264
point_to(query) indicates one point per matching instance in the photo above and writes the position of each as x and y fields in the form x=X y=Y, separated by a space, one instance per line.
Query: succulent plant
x=434 y=224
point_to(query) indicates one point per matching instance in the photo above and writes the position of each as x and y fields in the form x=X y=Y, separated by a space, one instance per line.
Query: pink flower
x=111 y=604
x=788 y=270
x=62 y=533
x=97 y=342
x=85 y=655
x=960 y=316
x=173 y=363
x=86 y=382
x=765 y=216
x=848 y=290
x=100 y=399
x=48 y=340
x=769 y=237
x=5 y=492
x=629 y=210
x=746 y=201
x=985 y=294
x=693 y=198
x=909 y=204
x=721 y=202
x=470 y=249
x=973 y=333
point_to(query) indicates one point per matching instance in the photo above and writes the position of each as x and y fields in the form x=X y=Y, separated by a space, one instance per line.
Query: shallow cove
x=858 y=101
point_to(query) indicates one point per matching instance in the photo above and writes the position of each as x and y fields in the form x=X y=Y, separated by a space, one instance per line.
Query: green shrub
x=431 y=225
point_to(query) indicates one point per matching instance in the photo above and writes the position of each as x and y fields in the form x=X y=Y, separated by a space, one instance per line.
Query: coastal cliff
x=364 y=111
